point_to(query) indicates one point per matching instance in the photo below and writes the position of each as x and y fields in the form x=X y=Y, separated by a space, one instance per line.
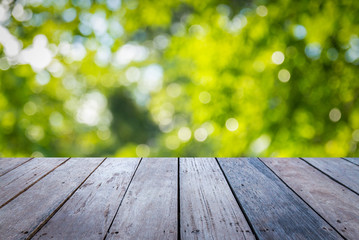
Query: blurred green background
x=179 y=78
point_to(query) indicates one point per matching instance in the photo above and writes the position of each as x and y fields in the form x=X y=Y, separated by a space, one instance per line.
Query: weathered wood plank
x=90 y=211
x=274 y=211
x=353 y=160
x=21 y=178
x=208 y=209
x=342 y=171
x=149 y=209
x=8 y=164
x=334 y=202
x=20 y=217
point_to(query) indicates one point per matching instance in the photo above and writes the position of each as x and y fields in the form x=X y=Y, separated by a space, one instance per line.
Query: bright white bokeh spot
x=56 y=119
x=143 y=150
x=335 y=115
x=103 y=56
x=69 y=14
x=260 y=144
x=204 y=97
x=113 y=4
x=184 y=134
x=130 y=52
x=224 y=9
x=56 y=68
x=77 y=52
x=262 y=11
x=313 y=51
x=201 y=134
x=355 y=135
x=133 y=74
x=352 y=54
x=284 y=75
x=235 y=25
x=232 y=124
x=278 y=57
x=299 y=32
x=178 y=29
x=151 y=80
x=174 y=90
x=209 y=127
x=115 y=28
x=92 y=105
x=37 y=55
x=35 y=133
x=99 y=23
x=11 y=44
x=4 y=64
x=197 y=30
x=21 y=14
x=164 y=117
x=43 y=77
x=4 y=13
x=161 y=42
x=30 y=108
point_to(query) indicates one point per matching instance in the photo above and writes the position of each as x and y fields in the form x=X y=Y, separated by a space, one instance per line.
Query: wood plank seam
x=32 y=184
x=124 y=195
x=238 y=202
x=329 y=176
x=178 y=201
x=301 y=198
x=16 y=166
x=346 y=159
x=61 y=204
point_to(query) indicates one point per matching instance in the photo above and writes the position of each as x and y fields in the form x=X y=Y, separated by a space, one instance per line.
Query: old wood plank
x=90 y=211
x=334 y=202
x=8 y=164
x=24 y=176
x=208 y=208
x=149 y=209
x=274 y=210
x=20 y=217
x=353 y=160
x=342 y=171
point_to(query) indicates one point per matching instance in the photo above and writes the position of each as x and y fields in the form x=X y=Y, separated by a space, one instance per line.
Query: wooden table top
x=179 y=198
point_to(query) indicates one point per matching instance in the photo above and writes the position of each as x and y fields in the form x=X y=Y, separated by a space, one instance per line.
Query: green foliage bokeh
x=180 y=78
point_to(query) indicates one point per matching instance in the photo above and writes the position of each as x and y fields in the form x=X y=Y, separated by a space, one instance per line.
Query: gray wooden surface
x=274 y=210
x=22 y=216
x=205 y=213
x=342 y=171
x=334 y=202
x=149 y=209
x=8 y=164
x=185 y=198
x=23 y=177
x=353 y=160
x=90 y=211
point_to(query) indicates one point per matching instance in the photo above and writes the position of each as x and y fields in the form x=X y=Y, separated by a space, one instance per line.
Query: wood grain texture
x=20 y=217
x=334 y=202
x=8 y=164
x=353 y=160
x=274 y=211
x=339 y=169
x=90 y=211
x=24 y=176
x=207 y=206
x=149 y=209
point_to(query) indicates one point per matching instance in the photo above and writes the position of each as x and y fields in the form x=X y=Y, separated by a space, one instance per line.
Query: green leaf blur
x=179 y=78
